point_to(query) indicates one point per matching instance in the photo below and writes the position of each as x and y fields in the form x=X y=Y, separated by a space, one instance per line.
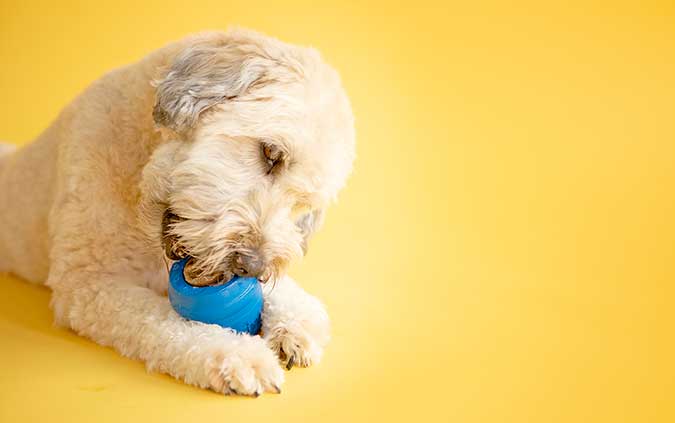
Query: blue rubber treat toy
x=236 y=304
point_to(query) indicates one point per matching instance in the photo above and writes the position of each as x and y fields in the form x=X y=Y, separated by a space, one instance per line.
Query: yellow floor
x=503 y=252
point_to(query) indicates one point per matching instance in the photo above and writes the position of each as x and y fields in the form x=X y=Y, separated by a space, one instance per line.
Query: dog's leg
x=295 y=324
x=142 y=325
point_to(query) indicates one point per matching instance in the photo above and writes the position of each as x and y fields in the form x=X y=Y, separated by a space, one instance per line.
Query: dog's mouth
x=173 y=249
x=194 y=272
x=197 y=277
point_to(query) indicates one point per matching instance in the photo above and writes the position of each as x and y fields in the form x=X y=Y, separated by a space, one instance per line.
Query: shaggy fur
x=188 y=132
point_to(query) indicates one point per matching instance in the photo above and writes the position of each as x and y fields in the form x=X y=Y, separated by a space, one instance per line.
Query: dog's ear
x=201 y=77
x=308 y=224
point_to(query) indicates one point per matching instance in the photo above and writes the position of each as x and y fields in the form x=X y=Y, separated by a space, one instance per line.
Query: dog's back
x=105 y=113
x=26 y=177
x=5 y=150
x=30 y=181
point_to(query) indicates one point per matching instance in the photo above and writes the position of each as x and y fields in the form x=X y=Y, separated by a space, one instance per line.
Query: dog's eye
x=273 y=156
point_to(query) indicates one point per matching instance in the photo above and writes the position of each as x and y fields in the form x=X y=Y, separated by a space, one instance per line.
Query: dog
x=226 y=147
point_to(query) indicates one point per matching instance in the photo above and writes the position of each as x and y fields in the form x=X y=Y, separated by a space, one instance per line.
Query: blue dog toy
x=236 y=304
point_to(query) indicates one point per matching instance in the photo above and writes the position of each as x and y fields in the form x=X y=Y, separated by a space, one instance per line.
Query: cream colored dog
x=226 y=147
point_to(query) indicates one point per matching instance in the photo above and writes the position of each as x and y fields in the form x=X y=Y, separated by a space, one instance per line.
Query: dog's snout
x=249 y=265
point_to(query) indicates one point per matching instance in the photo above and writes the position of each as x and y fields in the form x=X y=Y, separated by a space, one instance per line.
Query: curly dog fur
x=243 y=141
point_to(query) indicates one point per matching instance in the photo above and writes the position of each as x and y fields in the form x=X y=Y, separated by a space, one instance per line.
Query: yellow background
x=502 y=253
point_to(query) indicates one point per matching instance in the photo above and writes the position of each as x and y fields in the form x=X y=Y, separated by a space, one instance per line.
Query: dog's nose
x=247 y=265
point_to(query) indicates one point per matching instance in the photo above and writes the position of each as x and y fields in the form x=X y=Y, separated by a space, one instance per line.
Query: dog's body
x=243 y=141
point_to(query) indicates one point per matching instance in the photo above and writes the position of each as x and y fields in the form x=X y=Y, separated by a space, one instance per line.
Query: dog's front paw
x=298 y=343
x=249 y=369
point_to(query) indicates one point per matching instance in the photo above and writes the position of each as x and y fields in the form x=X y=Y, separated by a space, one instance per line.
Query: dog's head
x=266 y=142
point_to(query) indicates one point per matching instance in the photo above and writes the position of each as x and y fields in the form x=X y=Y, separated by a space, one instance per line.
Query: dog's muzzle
x=242 y=263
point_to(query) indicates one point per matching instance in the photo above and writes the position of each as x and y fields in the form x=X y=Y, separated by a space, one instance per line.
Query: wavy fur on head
x=227 y=147
x=228 y=100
